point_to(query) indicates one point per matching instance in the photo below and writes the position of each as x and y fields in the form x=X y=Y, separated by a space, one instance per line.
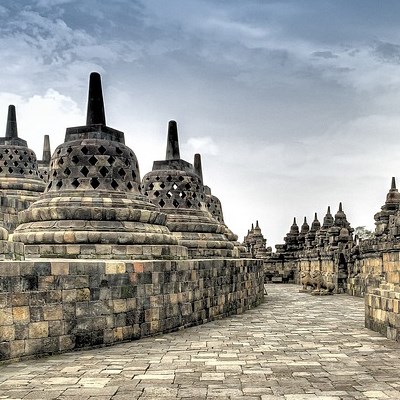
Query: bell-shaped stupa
x=20 y=182
x=175 y=186
x=92 y=206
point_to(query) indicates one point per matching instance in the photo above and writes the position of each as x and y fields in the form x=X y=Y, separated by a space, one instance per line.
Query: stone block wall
x=382 y=300
x=49 y=307
x=368 y=273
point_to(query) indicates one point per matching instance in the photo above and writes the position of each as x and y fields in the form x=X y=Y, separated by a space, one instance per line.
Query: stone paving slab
x=293 y=347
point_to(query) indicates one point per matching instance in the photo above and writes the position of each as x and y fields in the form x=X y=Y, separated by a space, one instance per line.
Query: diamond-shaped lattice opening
x=60 y=161
x=1 y=169
x=16 y=151
x=208 y=205
x=114 y=184
x=49 y=185
x=162 y=185
x=156 y=193
x=25 y=152
x=194 y=195
x=10 y=170
x=103 y=171
x=5 y=163
x=67 y=171
x=127 y=162
x=188 y=203
x=1 y=156
x=84 y=171
x=198 y=205
x=182 y=195
x=54 y=173
x=118 y=150
x=59 y=184
x=7 y=151
x=94 y=182
x=161 y=203
x=121 y=172
x=15 y=164
x=93 y=160
x=157 y=178
x=10 y=156
x=169 y=178
x=75 y=159
x=188 y=186
x=29 y=159
x=151 y=186
x=102 y=149
x=31 y=154
x=21 y=171
x=169 y=194
x=111 y=160
x=69 y=150
x=191 y=179
x=84 y=150
x=197 y=187
x=129 y=186
x=30 y=172
x=174 y=186
x=175 y=203
x=133 y=174
x=75 y=183
x=181 y=178
x=21 y=158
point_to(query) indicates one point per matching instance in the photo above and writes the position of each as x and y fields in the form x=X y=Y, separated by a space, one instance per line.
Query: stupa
x=44 y=163
x=20 y=182
x=92 y=206
x=174 y=185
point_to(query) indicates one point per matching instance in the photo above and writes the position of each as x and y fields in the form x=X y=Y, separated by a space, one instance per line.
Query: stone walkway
x=293 y=347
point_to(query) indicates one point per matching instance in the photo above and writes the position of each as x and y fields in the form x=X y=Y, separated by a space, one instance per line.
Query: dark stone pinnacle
x=172 y=152
x=46 y=149
x=197 y=166
x=11 y=129
x=95 y=107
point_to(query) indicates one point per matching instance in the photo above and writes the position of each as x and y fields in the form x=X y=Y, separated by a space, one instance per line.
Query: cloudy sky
x=293 y=104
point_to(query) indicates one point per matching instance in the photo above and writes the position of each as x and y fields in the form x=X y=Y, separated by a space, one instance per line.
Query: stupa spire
x=172 y=152
x=197 y=166
x=95 y=107
x=393 y=186
x=46 y=149
x=11 y=129
x=340 y=207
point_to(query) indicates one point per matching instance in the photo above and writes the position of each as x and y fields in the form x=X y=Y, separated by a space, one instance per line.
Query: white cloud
x=204 y=145
x=38 y=115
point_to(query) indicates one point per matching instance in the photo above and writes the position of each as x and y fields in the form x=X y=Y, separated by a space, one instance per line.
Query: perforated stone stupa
x=92 y=206
x=44 y=163
x=174 y=185
x=20 y=182
x=214 y=207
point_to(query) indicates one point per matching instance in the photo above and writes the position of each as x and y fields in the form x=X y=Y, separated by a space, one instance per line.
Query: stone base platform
x=52 y=306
